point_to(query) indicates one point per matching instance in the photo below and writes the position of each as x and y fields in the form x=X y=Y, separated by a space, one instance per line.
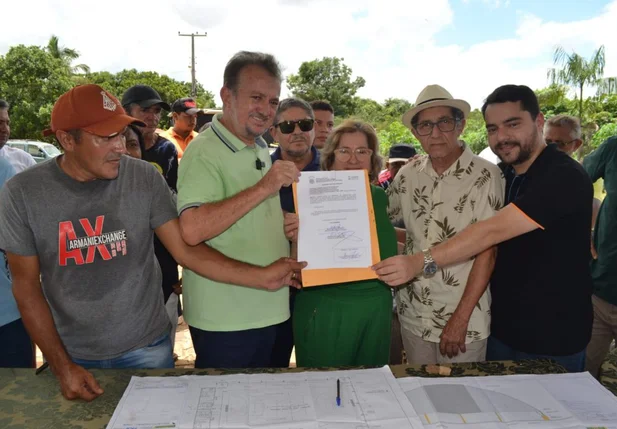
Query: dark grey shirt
x=94 y=244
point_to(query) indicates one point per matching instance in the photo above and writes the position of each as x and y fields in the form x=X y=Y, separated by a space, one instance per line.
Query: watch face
x=430 y=269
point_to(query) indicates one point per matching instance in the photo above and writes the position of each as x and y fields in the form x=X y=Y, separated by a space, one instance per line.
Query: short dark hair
x=243 y=59
x=322 y=105
x=140 y=138
x=4 y=105
x=457 y=114
x=512 y=94
x=128 y=107
x=290 y=103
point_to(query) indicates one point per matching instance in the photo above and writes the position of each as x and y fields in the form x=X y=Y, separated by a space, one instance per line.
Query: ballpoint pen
x=41 y=368
x=338 y=393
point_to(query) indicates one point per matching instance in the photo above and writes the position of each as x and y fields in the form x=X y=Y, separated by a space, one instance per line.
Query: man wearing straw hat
x=541 y=287
x=445 y=315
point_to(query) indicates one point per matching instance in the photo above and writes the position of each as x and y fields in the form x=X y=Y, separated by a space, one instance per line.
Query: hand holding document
x=337 y=233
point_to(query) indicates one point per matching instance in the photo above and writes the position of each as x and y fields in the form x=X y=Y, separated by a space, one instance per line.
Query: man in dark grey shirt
x=84 y=221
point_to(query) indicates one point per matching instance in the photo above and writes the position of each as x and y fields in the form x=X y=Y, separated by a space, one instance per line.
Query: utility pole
x=193 y=80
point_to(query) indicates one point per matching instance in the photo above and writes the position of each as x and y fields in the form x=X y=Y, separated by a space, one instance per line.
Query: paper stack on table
x=512 y=401
x=370 y=399
x=307 y=400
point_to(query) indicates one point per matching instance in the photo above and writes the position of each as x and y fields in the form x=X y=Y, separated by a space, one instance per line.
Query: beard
x=297 y=152
x=526 y=148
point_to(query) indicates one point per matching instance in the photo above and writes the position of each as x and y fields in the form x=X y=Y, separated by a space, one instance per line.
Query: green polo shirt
x=602 y=164
x=216 y=166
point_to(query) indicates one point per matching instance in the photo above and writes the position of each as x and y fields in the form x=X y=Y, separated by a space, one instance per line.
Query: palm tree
x=66 y=55
x=607 y=86
x=577 y=71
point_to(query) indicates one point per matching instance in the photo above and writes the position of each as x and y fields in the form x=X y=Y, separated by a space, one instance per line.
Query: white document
x=574 y=401
x=334 y=220
x=589 y=401
x=306 y=400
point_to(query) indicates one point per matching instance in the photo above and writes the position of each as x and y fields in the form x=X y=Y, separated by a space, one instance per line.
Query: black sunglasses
x=288 y=127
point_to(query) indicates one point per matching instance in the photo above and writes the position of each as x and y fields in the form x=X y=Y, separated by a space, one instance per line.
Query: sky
x=470 y=47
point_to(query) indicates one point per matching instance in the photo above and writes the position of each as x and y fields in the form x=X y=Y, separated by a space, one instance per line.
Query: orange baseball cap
x=90 y=108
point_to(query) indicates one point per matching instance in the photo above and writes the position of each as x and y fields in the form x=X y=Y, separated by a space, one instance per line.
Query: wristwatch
x=430 y=266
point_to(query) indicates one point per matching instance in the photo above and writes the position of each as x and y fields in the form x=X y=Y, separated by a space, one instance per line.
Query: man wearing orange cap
x=85 y=277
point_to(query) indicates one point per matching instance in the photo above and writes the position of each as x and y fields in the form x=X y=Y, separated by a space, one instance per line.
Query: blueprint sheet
x=513 y=401
x=370 y=399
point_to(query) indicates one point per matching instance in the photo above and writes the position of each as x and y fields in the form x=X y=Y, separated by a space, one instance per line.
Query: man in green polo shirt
x=228 y=197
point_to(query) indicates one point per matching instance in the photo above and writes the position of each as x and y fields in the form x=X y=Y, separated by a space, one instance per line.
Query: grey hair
x=4 y=105
x=290 y=103
x=565 y=121
x=242 y=59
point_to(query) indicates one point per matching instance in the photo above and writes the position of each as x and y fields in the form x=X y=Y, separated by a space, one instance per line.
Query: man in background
x=293 y=130
x=145 y=104
x=19 y=159
x=16 y=349
x=324 y=122
x=397 y=157
x=184 y=114
x=565 y=132
x=601 y=164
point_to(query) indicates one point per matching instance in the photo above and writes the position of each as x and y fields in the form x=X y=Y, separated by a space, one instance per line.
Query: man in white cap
x=445 y=315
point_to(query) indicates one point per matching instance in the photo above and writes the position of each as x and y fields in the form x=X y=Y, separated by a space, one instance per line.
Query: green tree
x=168 y=88
x=66 y=55
x=577 y=71
x=554 y=100
x=474 y=134
x=608 y=130
x=327 y=79
x=607 y=86
x=32 y=80
x=396 y=107
x=602 y=109
x=370 y=111
x=396 y=133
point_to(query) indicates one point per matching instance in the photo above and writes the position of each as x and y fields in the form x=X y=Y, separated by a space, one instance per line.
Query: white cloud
x=391 y=43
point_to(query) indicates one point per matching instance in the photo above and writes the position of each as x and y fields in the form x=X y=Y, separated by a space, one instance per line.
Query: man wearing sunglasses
x=565 y=132
x=294 y=131
x=228 y=196
x=445 y=317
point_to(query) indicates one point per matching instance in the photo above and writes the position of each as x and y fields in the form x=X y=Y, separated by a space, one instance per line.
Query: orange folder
x=328 y=276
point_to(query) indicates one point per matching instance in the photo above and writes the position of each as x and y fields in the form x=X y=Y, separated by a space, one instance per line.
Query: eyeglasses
x=559 y=143
x=288 y=127
x=445 y=125
x=361 y=153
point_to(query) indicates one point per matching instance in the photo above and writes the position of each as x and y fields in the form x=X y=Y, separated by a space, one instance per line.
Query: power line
x=193 y=80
